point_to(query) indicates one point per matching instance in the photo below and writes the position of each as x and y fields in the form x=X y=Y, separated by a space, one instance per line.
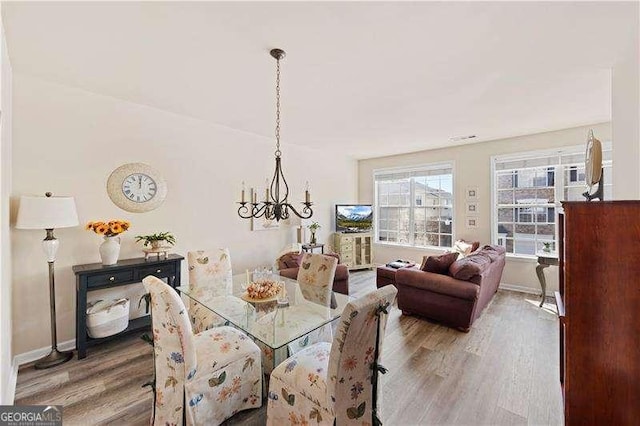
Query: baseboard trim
x=523 y=289
x=11 y=383
x=27 y=357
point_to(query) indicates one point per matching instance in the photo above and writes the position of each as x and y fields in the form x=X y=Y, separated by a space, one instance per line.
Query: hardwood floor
x=503 y=372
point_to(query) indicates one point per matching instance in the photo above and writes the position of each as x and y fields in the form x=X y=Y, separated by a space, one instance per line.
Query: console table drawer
x=159 y=271
x=107 y=279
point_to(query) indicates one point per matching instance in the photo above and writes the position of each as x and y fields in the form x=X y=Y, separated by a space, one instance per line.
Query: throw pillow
x=291 y=260
x=470 y=266
x=438 y=264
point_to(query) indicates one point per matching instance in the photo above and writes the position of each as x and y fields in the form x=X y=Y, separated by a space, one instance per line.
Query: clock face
x=136 y=187
x=139 y=187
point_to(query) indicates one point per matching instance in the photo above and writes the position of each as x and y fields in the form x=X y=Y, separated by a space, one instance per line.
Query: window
x=528 y=189
x=414 y=207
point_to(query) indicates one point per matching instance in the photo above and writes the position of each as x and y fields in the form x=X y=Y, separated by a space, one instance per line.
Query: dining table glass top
x=275 y=323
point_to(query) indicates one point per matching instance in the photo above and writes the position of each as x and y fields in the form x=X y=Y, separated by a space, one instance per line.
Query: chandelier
x=276 y=203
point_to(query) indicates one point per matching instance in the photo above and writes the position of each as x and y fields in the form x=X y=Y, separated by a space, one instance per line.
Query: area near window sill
x=527 y=258
x=417 y=248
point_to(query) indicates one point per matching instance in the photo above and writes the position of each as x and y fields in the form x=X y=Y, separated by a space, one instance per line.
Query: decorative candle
x=243 y=192
x=266 y=191
x=248 y=280
x=307 y=195
x=255 y=197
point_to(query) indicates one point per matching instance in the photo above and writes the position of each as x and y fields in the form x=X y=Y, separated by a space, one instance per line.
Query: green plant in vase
x=546 y=247
x=156 y=241
x=313 y=228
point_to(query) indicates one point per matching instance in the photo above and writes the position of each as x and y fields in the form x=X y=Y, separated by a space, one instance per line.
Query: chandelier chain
x=276 y=204
x=278 y=152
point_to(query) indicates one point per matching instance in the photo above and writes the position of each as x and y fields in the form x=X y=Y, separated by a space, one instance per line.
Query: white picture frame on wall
x=471 y=193
x=472 y=208
x=471 y=222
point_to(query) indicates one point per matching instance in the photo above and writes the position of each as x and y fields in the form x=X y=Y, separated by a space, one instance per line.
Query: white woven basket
x=106 y=318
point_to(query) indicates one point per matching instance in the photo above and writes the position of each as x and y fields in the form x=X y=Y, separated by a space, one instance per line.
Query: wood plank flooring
x=503 y=372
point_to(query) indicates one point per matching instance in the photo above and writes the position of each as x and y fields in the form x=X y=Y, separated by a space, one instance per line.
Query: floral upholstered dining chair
x=337 y=381
x=206 y=377
x=209 y=275
x=315 y=279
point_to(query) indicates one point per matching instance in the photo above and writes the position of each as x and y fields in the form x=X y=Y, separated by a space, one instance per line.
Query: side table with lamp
x=49 y=213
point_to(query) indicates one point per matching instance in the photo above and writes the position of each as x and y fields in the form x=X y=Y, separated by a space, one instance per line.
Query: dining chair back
x=174 y=350
x=315 y=277
x=354 y=361
x=210 y=274
x=202 y=378
x=337 y=383
x=315 y=280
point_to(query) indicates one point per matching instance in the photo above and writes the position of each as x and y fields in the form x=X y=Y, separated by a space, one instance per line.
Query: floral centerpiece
x=108 y=229
x=110 y=247
x=263 y=288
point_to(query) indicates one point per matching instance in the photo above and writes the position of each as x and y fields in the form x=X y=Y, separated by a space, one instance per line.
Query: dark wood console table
x=95 y=276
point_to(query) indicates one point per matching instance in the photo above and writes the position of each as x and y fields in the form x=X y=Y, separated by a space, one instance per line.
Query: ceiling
x=364 y=79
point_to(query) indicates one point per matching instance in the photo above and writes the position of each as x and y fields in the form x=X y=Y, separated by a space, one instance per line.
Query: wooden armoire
x=599 y=310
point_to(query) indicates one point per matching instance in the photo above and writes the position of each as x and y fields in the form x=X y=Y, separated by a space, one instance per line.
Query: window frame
x=413 y=205
x=559 y=186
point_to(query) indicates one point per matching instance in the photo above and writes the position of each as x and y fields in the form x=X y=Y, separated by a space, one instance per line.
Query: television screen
x=354 y=217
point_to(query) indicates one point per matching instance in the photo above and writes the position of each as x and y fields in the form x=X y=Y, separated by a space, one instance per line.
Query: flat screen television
x=354 y=217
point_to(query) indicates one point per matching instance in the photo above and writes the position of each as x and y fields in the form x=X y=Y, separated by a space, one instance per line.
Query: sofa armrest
x=437 y=283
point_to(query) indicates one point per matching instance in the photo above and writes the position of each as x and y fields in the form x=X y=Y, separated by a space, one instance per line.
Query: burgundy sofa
x=456 y=302
x=289 y=263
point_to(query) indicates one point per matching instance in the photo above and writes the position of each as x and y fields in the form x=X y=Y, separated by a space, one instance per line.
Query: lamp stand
x=55 y=357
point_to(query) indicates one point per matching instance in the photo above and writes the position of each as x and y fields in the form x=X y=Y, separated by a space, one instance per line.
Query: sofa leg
x=407 y=313
x=463 y=329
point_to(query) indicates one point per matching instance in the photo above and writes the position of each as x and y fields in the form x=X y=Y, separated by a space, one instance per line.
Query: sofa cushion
x=472 y=265
x=437 y=283
x=439 y=264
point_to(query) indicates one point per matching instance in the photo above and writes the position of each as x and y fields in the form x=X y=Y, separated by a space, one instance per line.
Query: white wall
x=68 y=141
x=625 y=119
x=472 y=167
x=6 y=379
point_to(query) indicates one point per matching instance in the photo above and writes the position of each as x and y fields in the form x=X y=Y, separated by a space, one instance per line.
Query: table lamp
x=48 y=213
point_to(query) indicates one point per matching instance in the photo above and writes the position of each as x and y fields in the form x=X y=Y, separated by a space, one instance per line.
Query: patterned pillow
x=464 y=248
x=439 y=264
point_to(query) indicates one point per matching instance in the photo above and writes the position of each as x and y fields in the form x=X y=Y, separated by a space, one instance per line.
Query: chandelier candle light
x=276 y=204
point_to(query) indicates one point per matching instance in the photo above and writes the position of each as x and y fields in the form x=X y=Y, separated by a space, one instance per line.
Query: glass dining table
x=274 y=324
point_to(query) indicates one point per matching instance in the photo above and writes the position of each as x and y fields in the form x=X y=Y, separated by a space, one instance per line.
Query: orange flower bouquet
x=110 y=248
x=108 y=229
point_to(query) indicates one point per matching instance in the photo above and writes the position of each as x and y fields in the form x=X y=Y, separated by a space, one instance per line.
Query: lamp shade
x=46 y=213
